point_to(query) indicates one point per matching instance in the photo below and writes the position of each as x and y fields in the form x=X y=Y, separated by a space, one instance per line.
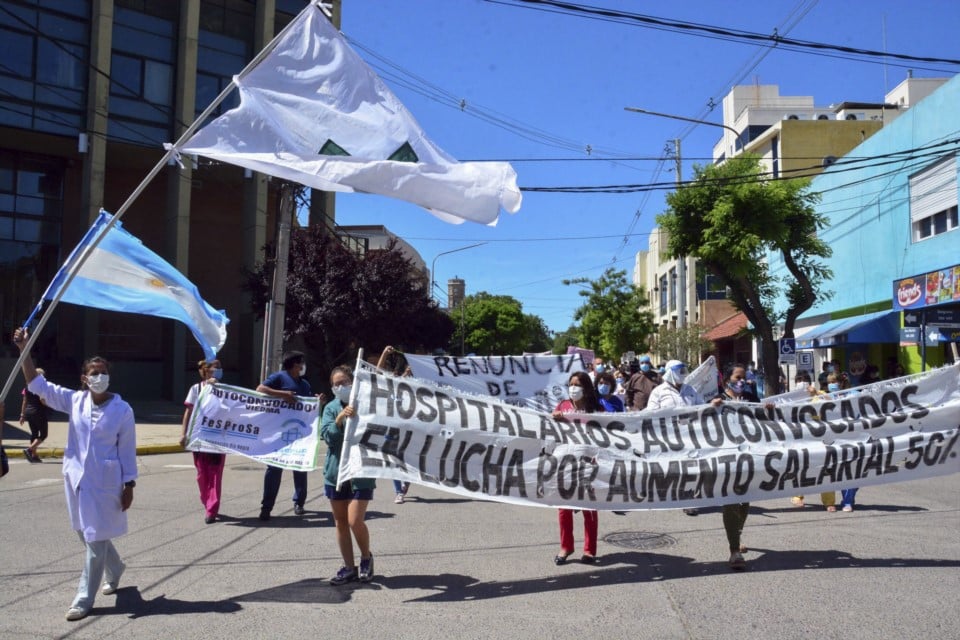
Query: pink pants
x=209 y=479
x=590 y=522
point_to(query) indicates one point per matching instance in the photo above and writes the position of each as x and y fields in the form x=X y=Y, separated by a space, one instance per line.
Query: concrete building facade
x=91 y=90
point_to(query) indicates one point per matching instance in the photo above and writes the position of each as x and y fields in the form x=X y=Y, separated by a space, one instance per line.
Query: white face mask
x=576 y=393
x=303 y=369
x=98 y=382
x=343 y=392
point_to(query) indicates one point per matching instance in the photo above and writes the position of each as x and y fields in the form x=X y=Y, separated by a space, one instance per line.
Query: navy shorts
x=345 y=492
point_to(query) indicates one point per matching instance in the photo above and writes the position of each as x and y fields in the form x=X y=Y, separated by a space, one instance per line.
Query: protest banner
x=481 y=447
x=266 y=429
x=532 y=381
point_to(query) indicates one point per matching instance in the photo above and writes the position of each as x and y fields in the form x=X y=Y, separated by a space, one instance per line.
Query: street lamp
x=743 y=143
x=433 y=279
x=682 y=260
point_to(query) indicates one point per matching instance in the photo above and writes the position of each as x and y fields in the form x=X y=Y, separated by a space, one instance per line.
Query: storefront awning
x=880 y=326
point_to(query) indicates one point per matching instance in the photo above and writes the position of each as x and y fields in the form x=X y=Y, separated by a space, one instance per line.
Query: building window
x=663 y=295
x=142 y=77
x=673 y=289
x=31 y=206
x=44 y=66
x=933 y=200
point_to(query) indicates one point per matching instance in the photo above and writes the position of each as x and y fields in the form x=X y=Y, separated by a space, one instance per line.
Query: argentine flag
x=121 y=274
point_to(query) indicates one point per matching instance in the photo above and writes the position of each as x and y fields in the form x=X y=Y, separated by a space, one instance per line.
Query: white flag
x=313 y=112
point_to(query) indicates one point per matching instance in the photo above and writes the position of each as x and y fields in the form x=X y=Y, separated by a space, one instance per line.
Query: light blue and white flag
x=123 y=275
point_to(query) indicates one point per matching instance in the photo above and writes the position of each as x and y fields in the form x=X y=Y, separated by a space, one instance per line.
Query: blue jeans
x=102 y=561
x=848 y=497
x=271 y=487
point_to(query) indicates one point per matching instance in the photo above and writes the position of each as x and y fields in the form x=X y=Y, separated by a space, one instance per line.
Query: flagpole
x=171 y=152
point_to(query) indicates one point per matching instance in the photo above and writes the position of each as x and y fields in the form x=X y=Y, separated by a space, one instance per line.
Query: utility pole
x=681 y=260
x=276 y=309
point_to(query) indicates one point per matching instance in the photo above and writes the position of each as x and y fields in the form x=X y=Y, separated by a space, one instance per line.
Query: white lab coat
x=666 y=396
x=97 y=460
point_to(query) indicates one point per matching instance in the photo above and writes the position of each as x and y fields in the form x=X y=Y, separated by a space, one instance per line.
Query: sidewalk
x=152 y=437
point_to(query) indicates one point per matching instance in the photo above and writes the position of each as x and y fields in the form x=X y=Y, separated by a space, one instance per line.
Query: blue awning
x=880 y=326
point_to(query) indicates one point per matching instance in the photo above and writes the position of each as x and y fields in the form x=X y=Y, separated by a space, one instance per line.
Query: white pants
x=102 y=561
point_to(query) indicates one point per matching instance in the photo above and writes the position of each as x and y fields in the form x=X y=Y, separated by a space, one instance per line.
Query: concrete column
x=177 y=217
x=95 y=160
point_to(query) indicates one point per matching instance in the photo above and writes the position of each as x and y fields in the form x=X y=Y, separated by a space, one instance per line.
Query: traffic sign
x=788 y=350
x=805 y=360
x=909 y=336
x=940 y=316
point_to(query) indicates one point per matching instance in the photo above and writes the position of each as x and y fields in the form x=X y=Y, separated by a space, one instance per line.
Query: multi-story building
x=894 y=231
x=793 y=138
x=89 y=91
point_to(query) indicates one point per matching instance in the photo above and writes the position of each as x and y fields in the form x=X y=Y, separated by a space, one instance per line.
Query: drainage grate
x=639 y=539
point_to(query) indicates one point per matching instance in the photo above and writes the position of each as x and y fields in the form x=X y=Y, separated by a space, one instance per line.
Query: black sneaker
x=344 y=575
x=264 y=515
x=298 y=509
x=692 y=512
x=366 y=569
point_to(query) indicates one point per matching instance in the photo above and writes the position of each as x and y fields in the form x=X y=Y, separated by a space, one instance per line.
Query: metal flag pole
x=171 y=152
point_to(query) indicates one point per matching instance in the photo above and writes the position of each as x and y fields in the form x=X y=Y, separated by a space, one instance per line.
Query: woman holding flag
x=99 y=469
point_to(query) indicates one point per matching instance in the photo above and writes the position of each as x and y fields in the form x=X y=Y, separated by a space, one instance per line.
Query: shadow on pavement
x=314 y=590
x=632 y=567
x=311 y=519
x=132 y=604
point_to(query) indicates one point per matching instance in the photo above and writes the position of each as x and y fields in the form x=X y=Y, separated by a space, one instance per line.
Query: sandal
x=831 y=508
x=561 y=559
x=796 y=501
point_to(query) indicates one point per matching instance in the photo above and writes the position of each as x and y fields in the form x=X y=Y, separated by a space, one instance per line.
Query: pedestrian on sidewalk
x=34 y=411
x=286 y=385
x=349 y=500
x=99 y=469
x=209 y=464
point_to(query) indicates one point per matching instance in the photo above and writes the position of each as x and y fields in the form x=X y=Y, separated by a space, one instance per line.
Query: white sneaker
x=110 y=588
x=398 y=499
x=77 y=613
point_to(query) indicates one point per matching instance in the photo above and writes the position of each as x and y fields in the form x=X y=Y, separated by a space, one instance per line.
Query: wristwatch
x=131 y=484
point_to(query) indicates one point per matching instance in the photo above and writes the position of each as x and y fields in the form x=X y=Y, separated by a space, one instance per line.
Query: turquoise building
x=892 y=210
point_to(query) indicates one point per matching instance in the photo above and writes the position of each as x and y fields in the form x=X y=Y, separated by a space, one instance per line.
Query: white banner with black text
x=484 y=448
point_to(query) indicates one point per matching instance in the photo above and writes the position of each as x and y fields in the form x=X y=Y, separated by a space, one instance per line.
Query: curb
x=145 y=450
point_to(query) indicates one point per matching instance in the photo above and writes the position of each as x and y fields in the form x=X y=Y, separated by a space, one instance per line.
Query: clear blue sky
x=563 y=82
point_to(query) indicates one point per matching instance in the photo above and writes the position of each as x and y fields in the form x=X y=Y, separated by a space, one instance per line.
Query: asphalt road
x=448 y=567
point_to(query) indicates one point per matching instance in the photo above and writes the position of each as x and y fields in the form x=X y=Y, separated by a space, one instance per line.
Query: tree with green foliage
x=338 y=301
x=564 y=339
x=730 y=218
x=683 y=343
x=611 y=320
x=487 y=324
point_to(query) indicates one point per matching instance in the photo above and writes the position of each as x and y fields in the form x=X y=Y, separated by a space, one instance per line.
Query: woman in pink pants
x=209 y=464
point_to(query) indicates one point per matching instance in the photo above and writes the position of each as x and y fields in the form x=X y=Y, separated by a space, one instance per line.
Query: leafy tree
x=611 y=321
x=729 y=218
x=488 y=324
x=683 y=343
x=539 y=337
x=338 y=301
x=564 y=339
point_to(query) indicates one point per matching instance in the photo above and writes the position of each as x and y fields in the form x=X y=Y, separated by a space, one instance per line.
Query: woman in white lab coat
x=99 y=469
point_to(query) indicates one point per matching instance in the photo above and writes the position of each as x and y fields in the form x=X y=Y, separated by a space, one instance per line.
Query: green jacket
x=333 y=436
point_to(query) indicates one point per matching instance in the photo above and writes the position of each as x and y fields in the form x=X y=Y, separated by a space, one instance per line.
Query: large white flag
x=313 y=112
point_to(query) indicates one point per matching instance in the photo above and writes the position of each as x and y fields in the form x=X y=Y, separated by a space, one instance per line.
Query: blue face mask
x=736 y=386
x=217 y=373
x=599 y=368
x=833 y=386
x=645 y=367
x=604 y=389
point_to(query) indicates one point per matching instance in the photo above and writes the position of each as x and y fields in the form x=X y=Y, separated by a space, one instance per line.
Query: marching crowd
x=100 y=470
